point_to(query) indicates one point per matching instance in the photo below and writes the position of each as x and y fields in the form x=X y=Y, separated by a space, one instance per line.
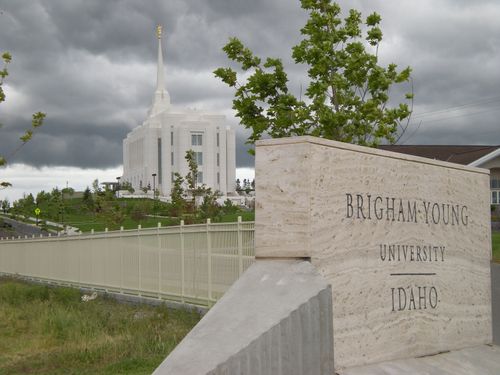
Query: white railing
x=188 y=263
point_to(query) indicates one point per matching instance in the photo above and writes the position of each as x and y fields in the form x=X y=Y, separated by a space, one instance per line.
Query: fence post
x=181 y=232
x=209 y=263
x=79 y=247
x=240 y=248
x=122 y=249
x=104 y=256
x=159 y=259
x=140 y=256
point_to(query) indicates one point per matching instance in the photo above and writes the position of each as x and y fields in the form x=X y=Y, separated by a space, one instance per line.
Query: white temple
x=159 y=145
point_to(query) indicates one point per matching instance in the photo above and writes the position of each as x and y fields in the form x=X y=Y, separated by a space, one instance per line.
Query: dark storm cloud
x=90 y=65
x=85 y=145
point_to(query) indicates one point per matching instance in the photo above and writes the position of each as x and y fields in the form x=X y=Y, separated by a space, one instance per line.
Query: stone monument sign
x=404 y=242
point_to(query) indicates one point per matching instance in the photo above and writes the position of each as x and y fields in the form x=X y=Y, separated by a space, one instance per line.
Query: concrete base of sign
x=276 y=319
x=480 y=360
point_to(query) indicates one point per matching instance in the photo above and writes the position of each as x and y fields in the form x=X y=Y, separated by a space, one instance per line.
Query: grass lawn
x=87 y=223
x=245 y=216
x=50 y=331
x=149 y=222
x=495 y=236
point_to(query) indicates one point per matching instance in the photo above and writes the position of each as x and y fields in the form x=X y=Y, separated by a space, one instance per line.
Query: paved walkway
x=70 y=231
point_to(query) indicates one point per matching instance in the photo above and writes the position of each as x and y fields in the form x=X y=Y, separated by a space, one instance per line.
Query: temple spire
x=161 y=100
x=160 y=81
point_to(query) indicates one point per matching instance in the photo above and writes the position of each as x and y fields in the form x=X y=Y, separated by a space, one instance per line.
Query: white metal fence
x=187 y=263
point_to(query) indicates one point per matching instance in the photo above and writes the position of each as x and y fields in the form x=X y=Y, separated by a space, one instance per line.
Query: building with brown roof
x=475 y=156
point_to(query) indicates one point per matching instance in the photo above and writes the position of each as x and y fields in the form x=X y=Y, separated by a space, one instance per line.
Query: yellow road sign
x=37 y=211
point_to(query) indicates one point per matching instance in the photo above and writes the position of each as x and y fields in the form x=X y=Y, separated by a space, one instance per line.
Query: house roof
x=464 y=155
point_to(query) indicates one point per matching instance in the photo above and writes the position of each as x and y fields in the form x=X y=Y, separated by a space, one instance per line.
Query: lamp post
x=154 y=193
x=61 y=207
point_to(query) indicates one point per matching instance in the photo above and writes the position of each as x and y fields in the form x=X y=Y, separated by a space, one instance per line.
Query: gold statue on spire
x=159 y=30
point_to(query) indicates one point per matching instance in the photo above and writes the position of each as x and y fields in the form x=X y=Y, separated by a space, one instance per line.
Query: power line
x=452 y=109
x=461 y=115
x=458 y=107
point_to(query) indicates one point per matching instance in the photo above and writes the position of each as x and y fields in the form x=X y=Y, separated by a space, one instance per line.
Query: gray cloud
x=90 y=65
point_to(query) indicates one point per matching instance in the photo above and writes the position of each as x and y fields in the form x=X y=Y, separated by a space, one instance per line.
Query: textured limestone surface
x=480 y=360
x=275 y=320
x=404 y=242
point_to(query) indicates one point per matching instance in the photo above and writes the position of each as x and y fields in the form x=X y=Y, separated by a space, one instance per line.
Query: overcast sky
x=90 y=65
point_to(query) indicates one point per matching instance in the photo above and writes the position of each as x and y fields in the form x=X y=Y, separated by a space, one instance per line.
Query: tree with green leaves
x=192 y=178
x=5 y=205
x=96 y=189
x=209 y=208
x=127 y=186
x=229 y=207
x=347 y=97
x=88 y=199
x=42 y=197
x=177 y=196
x=36 y=122
x=68 y=191
x=187 y=190
x=113 y=214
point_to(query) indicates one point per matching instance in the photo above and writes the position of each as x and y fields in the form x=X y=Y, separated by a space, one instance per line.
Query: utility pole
x=154 y=193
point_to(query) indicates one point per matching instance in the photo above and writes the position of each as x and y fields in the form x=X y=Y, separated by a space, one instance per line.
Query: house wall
x=495 y=186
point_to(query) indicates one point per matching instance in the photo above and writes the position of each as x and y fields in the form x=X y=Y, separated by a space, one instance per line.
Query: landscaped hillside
x=102 y=210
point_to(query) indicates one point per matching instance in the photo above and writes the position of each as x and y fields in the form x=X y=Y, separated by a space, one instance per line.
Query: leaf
x=227 y=75
x=404 y=75
x=373 y=19
x=37 y=120
x=6 y=56
x=236 y=51
x=374 y=36
x=26 y=136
